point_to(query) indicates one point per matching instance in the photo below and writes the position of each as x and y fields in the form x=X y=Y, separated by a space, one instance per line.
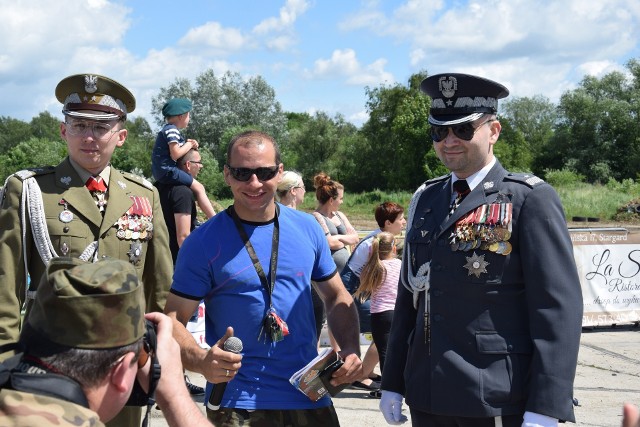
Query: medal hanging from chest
x=273 y=326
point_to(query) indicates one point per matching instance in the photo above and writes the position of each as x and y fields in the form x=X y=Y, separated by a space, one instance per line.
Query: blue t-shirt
x=213 y=264
x=161 y=161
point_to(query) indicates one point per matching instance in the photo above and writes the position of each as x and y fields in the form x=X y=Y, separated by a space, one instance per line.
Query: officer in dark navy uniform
x=488 y=317
x=83 y=207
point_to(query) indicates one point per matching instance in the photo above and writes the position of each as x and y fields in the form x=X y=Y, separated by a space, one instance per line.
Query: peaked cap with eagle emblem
x=96 y=97
x=461 y=98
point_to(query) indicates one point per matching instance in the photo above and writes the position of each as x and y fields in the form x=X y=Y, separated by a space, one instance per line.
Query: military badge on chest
x=136 y=225
x=488 y=227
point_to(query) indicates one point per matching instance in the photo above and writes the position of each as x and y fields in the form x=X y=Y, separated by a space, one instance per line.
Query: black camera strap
x=40 y=381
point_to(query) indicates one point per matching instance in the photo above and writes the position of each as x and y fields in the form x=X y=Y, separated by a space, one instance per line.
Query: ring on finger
x=227 y=373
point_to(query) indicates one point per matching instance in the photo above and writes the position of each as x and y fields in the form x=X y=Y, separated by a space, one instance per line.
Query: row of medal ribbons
x=488 y=227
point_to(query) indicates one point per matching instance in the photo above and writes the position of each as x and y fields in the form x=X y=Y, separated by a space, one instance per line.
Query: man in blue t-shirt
x=253 y=261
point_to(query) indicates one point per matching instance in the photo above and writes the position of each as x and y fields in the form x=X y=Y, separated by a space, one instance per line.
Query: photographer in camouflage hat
x=83 y=350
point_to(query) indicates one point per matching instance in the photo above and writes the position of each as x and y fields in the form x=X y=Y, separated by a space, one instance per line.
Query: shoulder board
x=28 y=173
x=138 y=179
x=524 y=178
x=435 y=180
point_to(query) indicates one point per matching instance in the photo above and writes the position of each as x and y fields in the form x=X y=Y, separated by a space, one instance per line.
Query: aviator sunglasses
x=465 y=131
x=244 y=174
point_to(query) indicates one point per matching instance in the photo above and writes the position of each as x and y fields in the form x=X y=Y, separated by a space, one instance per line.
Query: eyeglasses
x=300 y=186
x=244 y=174
x=99 y=130
x=465 y=131
x=193 y=161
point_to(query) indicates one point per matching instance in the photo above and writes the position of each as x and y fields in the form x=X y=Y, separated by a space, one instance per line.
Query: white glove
x=531 y=419
x=391 y=407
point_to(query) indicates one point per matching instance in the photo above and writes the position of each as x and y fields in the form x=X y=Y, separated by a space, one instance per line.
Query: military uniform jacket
x=504 y=329
x=74 y=221
x=20 y=409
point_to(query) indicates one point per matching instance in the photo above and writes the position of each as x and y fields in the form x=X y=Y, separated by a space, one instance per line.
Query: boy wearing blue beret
x=170 y=147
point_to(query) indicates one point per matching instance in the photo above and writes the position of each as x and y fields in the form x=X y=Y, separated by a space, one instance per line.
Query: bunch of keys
x=274 y=326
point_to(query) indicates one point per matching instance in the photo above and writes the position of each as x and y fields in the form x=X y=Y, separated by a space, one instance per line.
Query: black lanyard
x=252 y=253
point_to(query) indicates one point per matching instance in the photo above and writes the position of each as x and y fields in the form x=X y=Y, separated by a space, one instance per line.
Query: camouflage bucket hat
x=89 y=305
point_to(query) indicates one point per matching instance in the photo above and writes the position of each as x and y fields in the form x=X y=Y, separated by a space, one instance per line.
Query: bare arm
x=176 y=151
x=172 y=395
x=212 y=363
x=351 y=238
x=183 y=226
x=342 y=317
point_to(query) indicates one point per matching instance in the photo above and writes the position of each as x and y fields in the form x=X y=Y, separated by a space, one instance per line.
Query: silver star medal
x=135 y=252
x=476 y=264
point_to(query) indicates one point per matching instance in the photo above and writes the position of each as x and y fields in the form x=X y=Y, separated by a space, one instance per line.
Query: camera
x=148 y=351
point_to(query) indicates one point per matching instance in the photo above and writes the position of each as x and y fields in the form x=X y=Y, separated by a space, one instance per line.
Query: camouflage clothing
x=18 y=409
x=97 y=305
x=233 y=417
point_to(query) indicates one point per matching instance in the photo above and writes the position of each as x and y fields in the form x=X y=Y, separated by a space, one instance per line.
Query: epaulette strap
x=437 y=179
x=524 y=178
x=28 y=173
x=138 y=179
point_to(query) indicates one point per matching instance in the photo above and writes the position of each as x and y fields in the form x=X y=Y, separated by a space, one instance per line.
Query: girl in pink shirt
x=379 y=281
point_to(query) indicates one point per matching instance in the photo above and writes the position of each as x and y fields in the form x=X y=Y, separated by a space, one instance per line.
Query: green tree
x=397 y=132
x=12 y=133
x=31 y=153
x=598 y=133
x=44 y=125
x=530 y=128
x=223 y=103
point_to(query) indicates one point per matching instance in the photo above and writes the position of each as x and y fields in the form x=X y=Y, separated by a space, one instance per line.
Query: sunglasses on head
x=465 y=131
x=244 y=174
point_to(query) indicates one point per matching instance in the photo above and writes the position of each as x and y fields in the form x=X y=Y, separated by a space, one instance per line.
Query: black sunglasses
x=244 y=174
x=465 y=131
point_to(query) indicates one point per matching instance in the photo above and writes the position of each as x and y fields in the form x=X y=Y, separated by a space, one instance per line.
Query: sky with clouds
x=318 y=55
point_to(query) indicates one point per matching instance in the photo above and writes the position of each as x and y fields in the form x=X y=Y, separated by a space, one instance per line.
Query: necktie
x=96 y=184
x=461 y=189
x=98 y=191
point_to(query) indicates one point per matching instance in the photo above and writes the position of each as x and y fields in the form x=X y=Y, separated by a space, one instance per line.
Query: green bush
x=562 y=177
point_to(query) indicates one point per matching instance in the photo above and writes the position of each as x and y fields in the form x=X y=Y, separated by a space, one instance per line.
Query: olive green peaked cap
x=89 y=305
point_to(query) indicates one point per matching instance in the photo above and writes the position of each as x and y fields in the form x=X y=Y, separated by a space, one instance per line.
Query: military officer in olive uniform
x=83 y=207
x=487 y=322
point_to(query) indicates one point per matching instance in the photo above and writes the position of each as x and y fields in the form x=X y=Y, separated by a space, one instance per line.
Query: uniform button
x=437 y=267
x=438 y=317
x=437 y=293
x=65 y=229
x=428 y=210
x=510 y=347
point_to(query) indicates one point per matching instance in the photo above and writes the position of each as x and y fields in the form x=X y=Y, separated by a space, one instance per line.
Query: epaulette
x=524 y=178
x=438 y=179
x=28 y=173
x=140 y=180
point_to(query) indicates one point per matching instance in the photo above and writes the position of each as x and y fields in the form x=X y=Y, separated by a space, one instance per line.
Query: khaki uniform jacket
x=62 y=186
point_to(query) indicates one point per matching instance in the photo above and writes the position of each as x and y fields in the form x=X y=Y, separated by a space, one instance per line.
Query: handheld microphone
x=234 y=345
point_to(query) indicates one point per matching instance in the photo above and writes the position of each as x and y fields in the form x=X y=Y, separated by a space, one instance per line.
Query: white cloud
x=215 y=36
x=288 y=15
x=344 y=63
x=44 y=32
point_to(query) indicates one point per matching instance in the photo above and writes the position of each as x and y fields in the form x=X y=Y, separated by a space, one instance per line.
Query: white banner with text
x=608 y=261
